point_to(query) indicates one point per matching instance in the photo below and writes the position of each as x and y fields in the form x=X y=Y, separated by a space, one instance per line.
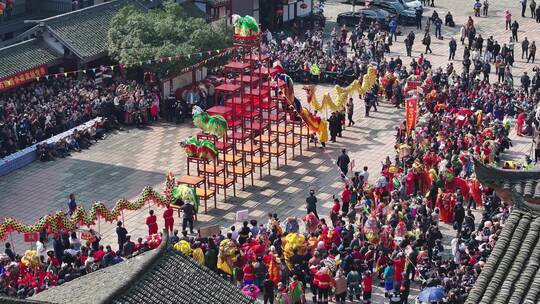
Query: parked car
x=406 y=16
x=370 y=15
x=414 y=4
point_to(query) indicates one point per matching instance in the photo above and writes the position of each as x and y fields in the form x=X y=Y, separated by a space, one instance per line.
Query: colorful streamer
x=60 y=221
x=342 y=94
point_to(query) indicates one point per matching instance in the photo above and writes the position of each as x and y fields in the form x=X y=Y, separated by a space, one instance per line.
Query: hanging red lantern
x=279 y=12
x=2 y=8
x=303 y=6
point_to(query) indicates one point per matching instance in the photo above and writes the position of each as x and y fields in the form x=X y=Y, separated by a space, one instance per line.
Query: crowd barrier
x=26 y=156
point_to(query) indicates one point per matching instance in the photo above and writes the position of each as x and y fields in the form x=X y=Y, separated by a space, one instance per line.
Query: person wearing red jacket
x=367 y=286
x=334 y=213
x=399 y=268
x=151 y=222
x=323 y=280
x=315 y=284
x=169 y=219
x=249 y=273
x=346 y=199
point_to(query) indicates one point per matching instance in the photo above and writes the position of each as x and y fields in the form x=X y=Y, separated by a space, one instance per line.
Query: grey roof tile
x=85 y=31
x=511 y=273
x=25 y=55
x=159 y=276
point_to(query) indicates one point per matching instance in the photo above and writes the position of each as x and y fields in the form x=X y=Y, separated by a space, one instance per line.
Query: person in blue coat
x=392 y=26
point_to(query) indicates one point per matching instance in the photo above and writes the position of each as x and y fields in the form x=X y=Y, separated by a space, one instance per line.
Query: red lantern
x=303 y=6
x=2 y=8
x=279 y=12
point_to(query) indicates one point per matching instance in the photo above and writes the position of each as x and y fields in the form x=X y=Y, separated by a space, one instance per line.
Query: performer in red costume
x=151 y=222
x=476 y=192
x=323 y=280
x=169 y=219
x=446 y=203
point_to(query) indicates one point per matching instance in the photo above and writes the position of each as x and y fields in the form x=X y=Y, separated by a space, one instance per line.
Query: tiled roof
x=85 y=31
x=511 y=274
x=24 y=56
x=521 y=187
x=159 y=276
x=177 y=278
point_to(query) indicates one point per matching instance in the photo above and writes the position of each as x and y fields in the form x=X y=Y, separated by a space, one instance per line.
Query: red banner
x=411 y=107
x=23 y=77
x=31 y=237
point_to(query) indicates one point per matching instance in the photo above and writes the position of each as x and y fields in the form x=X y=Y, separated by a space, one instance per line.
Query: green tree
x=136 y=37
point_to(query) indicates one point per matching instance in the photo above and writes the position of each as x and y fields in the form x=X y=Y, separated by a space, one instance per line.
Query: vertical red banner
x=411 y=107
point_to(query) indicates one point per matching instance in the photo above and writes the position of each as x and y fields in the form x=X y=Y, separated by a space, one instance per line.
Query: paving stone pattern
x=125 y=162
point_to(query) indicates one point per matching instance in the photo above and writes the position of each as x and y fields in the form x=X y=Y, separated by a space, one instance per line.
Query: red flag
x=411 y=107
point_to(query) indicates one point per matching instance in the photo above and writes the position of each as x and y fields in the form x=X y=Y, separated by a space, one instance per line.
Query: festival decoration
x=251 y=291
x=227 y=256
x=342 y=94
x=211 y=124
x=183 y=246
x=22 y=77
x=411 y=109
x=186 y=193
x=315 y=70
x=60 y=221
x=31 y=259
x=104 y=68
x=371 y=230
x=314 y=123
x=169 y=185
x=153 y=241
x=201 y=149
x=245 y=27
x=293 y=241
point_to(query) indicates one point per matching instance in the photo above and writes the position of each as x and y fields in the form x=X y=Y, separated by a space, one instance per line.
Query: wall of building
x=244 y=7
x=293 y=9
x=169 y=86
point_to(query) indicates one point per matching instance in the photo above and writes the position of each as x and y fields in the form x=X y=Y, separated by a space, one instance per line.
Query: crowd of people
x=64 y=258
x=384 y=230
x=308 y=59
x=387 y=230
x=36 y=112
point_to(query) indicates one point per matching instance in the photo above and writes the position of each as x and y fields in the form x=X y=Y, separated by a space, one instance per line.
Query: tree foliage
x=136 y=37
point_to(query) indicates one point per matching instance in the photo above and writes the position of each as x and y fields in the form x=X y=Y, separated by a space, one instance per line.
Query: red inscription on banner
x=411 y=105
x=23 y=77
x=31 y=237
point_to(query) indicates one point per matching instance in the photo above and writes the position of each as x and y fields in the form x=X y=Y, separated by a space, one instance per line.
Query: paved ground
x=124 y=163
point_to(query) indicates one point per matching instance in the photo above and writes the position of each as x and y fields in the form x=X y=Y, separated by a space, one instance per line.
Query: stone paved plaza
x=125 y=162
